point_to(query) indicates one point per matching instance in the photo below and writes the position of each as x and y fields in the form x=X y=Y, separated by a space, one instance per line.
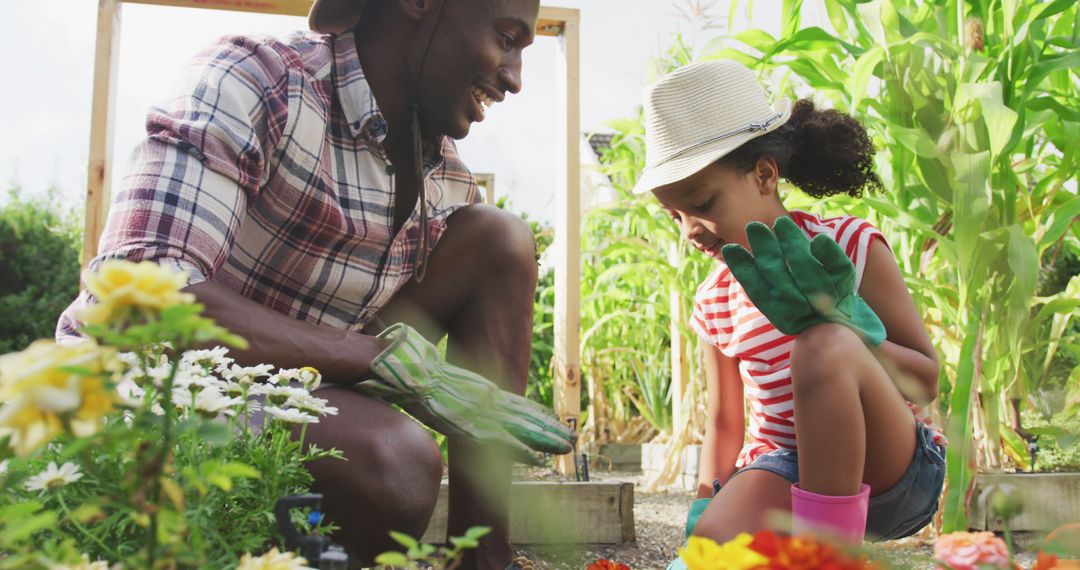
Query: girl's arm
x=907 y=345
x=725 y=427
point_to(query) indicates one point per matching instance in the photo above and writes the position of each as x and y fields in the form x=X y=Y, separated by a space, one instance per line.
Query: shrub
x=39 y=259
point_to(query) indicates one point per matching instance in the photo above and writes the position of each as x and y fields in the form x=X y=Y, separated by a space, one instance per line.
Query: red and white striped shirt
x=726 y=318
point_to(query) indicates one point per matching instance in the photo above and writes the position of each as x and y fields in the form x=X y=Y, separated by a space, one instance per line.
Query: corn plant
x=973 y=107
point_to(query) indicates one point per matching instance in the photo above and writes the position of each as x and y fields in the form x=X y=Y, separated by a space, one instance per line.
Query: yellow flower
x=704 y=554
x=117 y=284
x=273 y=560
x=39 y=391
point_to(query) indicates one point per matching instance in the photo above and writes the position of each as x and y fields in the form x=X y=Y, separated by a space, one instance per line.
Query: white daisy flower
x=246 y=374
x=209 y=359
x=291 y=416
x=208 y=402
x=83 y=564
x=54 y=477
x=277 y=395
x=311 y=405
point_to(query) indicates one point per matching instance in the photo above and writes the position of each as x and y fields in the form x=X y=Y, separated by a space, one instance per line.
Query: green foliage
x=422 y=555
x=39 y=259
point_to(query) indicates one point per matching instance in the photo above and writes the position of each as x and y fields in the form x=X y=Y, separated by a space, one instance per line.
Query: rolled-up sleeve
x=205 y=155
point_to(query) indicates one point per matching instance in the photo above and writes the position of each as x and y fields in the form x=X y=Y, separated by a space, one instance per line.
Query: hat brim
x=692 y=162
x=335 y=16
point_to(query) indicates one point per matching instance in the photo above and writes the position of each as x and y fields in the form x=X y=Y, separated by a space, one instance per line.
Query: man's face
x=474 y=61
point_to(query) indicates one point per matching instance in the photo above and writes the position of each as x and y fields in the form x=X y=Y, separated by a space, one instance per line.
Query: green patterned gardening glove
x=458 y=403
x=797 y=283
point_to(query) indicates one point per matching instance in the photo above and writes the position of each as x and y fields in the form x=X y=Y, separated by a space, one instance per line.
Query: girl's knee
x=822 y=353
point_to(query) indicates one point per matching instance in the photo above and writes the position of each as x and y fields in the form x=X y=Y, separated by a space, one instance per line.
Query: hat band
x=751 y=128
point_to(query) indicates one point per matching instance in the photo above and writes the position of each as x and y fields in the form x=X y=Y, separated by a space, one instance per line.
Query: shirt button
x=390 y=169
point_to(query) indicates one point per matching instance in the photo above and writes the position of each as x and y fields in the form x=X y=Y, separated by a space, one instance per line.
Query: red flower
x=605 y=564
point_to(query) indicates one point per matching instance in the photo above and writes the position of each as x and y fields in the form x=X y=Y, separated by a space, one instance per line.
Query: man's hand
x=797 y=283
x=458 y=403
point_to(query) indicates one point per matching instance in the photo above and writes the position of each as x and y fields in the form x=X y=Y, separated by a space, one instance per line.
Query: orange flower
x=971 y=551
x=605 y=564
x=1063 y=539
x=799 y=553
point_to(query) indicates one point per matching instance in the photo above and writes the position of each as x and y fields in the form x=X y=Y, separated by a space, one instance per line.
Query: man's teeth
x=482 y=97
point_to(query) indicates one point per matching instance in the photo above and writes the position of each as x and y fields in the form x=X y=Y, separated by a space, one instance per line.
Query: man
x=283 y=179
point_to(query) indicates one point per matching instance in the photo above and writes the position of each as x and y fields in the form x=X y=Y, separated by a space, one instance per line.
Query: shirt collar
x=358 y=102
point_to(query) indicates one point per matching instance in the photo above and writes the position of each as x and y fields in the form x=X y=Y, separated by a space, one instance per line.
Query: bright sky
x=50 y=46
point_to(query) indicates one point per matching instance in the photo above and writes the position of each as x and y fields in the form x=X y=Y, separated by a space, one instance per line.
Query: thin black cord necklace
x=421 y=258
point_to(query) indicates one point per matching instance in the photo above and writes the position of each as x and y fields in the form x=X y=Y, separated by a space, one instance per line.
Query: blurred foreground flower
x=273 y=560
x=1061 y=550
x=54 y=477
x=84 y=564
x=735 y=554
x=49 y=386
x=788 y=552
x=118 y=285
x=971 y=551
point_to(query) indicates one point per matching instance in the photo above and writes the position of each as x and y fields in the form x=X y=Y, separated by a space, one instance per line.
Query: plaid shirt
x=267 y=175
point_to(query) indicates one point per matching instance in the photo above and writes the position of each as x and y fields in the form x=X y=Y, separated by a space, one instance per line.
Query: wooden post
x=679 y=369
x=106 y=54
x=487 y=180
x=568 y=231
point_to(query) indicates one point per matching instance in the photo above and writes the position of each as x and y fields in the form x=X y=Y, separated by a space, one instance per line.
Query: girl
x=820 y=337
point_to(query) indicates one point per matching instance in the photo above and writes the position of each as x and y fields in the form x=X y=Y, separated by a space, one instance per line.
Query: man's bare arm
x=342 y=357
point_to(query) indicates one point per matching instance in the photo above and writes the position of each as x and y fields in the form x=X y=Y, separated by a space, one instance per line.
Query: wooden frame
x=562 y=23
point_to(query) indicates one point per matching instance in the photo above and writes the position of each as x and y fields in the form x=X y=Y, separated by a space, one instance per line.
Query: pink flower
x=971 y=551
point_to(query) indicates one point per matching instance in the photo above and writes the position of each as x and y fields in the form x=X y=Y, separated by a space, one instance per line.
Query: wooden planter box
x=1050 y=500
x=654 y=456
x=617 y=457
x=553 y=512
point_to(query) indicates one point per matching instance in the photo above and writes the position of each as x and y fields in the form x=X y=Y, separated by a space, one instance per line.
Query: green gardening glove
x=797 y=283
x=458 y=403
x=697 y=508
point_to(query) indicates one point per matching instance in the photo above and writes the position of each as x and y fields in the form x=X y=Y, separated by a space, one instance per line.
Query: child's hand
x=797 y=283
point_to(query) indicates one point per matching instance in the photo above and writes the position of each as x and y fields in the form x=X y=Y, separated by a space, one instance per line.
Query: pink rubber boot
x=843 y=517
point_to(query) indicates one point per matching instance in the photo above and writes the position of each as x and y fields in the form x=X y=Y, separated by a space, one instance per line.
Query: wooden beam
x=558 y=512
x=487 y=181
x=679 y=370
x=568 y=234
x=550 y=22
x=103 y=113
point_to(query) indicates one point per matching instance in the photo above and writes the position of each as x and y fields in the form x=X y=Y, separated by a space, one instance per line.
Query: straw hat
x=699 y=113
x=335 y=16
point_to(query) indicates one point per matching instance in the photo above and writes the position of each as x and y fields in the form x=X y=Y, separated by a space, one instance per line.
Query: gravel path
x=659 y=519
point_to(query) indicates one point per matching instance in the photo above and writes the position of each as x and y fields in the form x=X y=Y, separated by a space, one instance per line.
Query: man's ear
x=414 y=9
x=767 y=175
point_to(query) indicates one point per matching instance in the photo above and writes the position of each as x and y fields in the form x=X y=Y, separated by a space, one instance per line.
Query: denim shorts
x=902 y=510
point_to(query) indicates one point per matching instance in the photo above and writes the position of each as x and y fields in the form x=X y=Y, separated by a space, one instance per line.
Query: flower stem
x=67 y=514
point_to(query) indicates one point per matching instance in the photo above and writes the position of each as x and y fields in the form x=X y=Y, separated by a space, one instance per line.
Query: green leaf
x=958 y=453
x=404 y=539
x=477 y=532
x=242 y=470
x=998 y=118
x=1059 y=220
x=861 y=73
x=214 y=434
x=392 y=559
x=757 y=39
x=916 y=140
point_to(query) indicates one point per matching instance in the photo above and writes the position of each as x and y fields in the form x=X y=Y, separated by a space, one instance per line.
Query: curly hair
x=822 y=152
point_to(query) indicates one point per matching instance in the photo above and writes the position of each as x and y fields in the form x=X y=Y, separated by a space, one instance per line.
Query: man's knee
x=501 y=236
